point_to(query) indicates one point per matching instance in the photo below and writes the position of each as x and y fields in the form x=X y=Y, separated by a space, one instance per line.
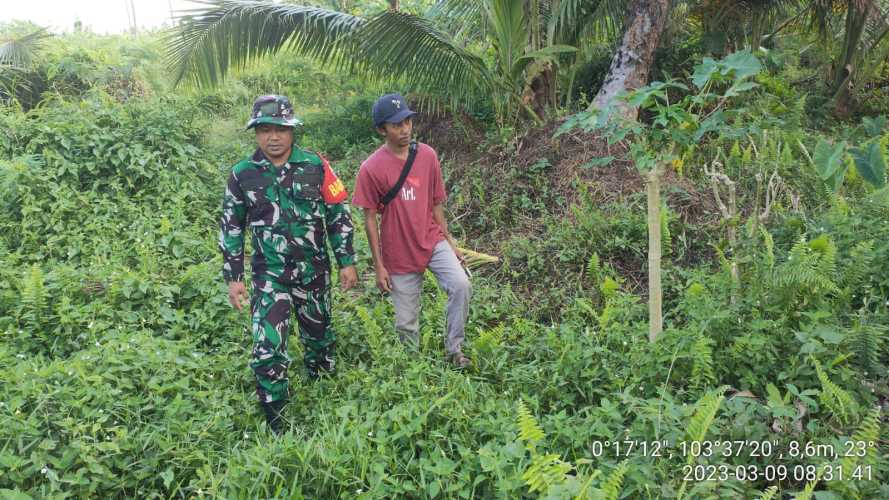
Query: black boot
x=274 y=415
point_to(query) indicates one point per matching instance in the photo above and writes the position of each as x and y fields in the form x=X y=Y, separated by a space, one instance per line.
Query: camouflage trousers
x=272 y=306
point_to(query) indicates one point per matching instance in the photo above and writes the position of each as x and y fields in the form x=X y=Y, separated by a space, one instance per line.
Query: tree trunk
x=393 y=5
x=845 y=67
x=655 y=294
x=540 y=93
x=633 y=59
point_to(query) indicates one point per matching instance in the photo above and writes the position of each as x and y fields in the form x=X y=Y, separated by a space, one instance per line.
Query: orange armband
x=332 y=188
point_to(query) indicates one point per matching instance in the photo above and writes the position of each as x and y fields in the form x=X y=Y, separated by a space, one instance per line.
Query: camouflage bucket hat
x=274 y=109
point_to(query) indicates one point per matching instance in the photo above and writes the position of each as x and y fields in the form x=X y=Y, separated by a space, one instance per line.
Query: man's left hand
x=348 y=277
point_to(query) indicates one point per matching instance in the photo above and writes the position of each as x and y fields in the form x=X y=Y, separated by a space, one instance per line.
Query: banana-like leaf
x=871 y=163
x=874 y=126
x=828 y=158
x=741 y=65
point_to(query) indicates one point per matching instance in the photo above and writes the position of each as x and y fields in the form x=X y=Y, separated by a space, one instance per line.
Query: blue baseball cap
x=391 y=108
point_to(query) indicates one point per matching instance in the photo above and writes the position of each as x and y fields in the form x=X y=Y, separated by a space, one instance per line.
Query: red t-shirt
x=408 y=233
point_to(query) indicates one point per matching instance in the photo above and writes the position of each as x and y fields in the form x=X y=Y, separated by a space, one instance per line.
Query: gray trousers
x=406 y=289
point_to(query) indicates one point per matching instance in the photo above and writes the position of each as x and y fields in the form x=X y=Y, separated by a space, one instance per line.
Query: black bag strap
x=411 y=155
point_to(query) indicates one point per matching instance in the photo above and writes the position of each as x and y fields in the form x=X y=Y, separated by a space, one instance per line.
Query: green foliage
x=840 y=403
x=529 y=431
x=809 y=271
x=702 y=374
x=34 y=300
x=549 y=475
x=17 y=56
x=388 y=46
x=612 y=486
x=863 y=453
x=874 y=126
x=544 y=471
x=705 y=413
x=340 y=127
x=123 y=370
x=590 y=75
x=870 y=161
x=769 y=493
x=674 y=124
x=866 y=342
x=832 y=162
x=807 y=492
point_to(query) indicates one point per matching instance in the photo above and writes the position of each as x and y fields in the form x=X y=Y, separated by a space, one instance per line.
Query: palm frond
x=391 y=46
x=396 y=45
x=20 y=51
x=209 y=41
x=826 y=16
x=876 y=29
x=744 y=18
x=464 y=19
x=576 y=20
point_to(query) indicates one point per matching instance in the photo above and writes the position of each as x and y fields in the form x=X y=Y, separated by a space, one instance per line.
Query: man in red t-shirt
x=413 y=233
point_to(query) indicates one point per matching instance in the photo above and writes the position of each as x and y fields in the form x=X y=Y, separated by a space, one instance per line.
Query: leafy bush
x=124 y=370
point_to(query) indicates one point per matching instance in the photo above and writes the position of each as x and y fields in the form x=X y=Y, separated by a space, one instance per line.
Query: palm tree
x=865 y=26
x=526 y=36
x=16 y=61
x=729 y=25
x=534 y=37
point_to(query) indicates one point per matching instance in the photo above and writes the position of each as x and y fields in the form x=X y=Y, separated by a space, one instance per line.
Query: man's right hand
x=237 y=295
x=383 y=281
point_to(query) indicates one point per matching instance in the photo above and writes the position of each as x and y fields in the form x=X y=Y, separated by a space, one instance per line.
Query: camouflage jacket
x=288 y=219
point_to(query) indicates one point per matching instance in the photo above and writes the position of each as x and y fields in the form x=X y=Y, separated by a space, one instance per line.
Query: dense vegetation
x=123 y=370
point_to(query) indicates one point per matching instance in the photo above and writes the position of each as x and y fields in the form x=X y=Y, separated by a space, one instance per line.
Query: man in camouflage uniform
x=292 y=201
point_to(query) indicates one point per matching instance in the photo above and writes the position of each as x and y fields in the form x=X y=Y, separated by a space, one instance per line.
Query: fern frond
x=705 y=412
x=808 y=491
x=702 y=373
x=810 y=268
x=612 y=486
x=867 y=434
x=769 y=493
x=835 y=398
x=545 y=471
x=34 y=298
x=827 y=261
x=372 y=331
x=529 y=430
x=866 y=342
x=489 y=339
x=593 y=267
x=859 y=265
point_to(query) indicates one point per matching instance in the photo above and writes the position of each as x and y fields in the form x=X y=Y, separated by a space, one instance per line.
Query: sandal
x=459 y=360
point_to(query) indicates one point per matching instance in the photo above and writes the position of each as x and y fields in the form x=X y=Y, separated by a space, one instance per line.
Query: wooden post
x=655 y=294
